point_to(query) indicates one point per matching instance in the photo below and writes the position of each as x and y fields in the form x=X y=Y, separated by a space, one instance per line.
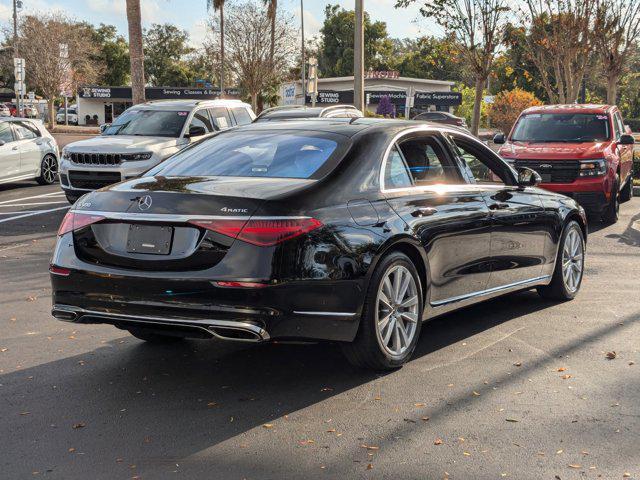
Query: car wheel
x=153 y=337
x=627 y=192
x=48 y=170
x=567 y=275
x=612 y=212
x=391 y=318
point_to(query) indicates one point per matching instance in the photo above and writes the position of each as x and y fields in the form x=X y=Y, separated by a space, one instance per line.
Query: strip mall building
x=427 y=94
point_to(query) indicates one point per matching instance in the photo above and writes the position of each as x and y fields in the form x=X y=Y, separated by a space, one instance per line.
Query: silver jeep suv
x=140 y=138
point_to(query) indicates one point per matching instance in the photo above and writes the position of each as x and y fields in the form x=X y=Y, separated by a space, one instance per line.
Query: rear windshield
x=263 y=154
x=561 y=127
x=148 y=123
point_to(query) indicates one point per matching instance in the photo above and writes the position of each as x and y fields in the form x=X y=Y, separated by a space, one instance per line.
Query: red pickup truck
x=583 y=151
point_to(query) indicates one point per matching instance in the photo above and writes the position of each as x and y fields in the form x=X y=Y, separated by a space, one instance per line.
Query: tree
x=508 y=105
x=559 y=43
x=136 y=51
x=218 y=5
x=477 y=26
x=616 y=33
x=39 y=43
x=429 y=57
x=272 y=8
x=165 y=50
x=113 y=54
x=336 y=44
x=249 y=46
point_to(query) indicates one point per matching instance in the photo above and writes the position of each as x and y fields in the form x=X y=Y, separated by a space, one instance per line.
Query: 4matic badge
x=234 y=210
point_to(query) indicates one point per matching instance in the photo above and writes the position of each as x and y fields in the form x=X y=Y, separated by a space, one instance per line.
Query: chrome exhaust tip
x=238 y=331
x=64 y=315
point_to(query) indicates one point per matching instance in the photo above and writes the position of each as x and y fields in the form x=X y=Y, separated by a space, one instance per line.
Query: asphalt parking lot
x=516 y=388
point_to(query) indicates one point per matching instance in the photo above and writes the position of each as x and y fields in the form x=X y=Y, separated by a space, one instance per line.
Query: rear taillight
x=76 y=220
x=261 y=232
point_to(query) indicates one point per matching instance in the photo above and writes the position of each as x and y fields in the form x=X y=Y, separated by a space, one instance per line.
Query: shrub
x=386 y=108
x=634 y=123
x=508 y=105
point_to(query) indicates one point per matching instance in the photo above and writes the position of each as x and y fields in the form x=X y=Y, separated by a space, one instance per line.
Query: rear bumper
x=305 y=310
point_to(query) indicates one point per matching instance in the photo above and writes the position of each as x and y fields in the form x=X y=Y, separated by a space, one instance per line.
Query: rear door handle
x=498 y=206
x=423 y=212
x=15 y=148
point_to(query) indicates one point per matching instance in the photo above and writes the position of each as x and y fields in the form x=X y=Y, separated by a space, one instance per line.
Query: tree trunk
x=51 y=112
x=273 y=40
x=222 y=50
x=477 y=105
x=136 y=51
x=612 y=89
x=254 y=101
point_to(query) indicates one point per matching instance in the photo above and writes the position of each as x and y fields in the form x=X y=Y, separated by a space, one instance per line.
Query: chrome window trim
x=162 y=217
x=394 y=141
x=327 y=314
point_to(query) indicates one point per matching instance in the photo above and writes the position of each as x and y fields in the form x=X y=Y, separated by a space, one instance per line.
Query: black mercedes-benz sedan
x=352 y=231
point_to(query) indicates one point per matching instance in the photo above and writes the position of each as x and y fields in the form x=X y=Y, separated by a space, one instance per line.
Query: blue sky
x=190 y=14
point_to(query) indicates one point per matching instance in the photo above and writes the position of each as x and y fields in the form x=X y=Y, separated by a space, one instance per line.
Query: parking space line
x=19 y=212
x=14 y=246
x=50 y=194
x=34 y=213
x=32 y=204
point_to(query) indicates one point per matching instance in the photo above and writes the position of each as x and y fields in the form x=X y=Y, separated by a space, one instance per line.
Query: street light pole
x=304 y=61
x=358 y=60
x=15 y=50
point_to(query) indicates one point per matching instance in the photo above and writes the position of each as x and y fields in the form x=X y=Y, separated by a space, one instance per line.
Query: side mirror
x=528 y=177
x=499 y=139
x=2 y=142
x=196 y=131
x=104 y=126
x=626 y=139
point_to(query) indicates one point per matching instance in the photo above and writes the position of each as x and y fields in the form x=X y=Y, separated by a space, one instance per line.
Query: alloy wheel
x=49 y=169
x=397 y=310
x=572 y=260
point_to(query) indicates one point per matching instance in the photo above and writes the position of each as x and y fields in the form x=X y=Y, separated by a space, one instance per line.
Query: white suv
x=72 y=116
x=143 y=136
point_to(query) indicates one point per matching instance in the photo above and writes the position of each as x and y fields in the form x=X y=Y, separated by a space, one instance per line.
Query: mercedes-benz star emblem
x=144 y=203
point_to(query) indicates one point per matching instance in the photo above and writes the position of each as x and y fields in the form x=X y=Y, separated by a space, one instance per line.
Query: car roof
x=572 y=108
x=301 y=111
x=20 y=119
x=189 y=104
x=348 y=127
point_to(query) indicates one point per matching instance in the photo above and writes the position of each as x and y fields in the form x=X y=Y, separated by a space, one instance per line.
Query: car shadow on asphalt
x=631 y=235
x=197 y=394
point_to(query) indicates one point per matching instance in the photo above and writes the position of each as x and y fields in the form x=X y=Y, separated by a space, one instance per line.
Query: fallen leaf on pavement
x=566 y=377
x=370 y=447
x=572 y=465
x=517 y=364
x=267 y=425
x=476 y=394
x=425 y=419
x=438 y=441
x=611 y=355
x=370 y=466
x=78 y=425
x=561 y=369
x=511 y=420
x=420 y=404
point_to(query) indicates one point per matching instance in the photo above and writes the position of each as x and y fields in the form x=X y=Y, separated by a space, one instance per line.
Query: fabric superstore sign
x=399 y=98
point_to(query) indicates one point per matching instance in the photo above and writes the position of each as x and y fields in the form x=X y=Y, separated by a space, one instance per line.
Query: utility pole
x=358 y=60
x=304 y=61
x=15 y=51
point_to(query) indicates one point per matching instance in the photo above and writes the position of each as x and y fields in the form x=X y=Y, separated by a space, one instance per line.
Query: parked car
x=583 y=151
x=5 y=111
x=27 y=151
x=72 y=116
x=143 y=136
x=296 y=112
x=441 y=117
x=352 y=231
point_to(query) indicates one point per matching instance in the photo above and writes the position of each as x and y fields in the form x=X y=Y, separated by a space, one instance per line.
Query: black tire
x=366 y=351
x=557 y=289
x=612 y=212
x=152 y=337
x=71 y=198
x=48 y=170
x=627 y=191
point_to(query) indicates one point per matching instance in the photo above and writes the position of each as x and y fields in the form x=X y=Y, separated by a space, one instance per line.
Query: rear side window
x=6 y=135
x=201 y=119
x=269 y=154
x=220 y=116
x=242 y=116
